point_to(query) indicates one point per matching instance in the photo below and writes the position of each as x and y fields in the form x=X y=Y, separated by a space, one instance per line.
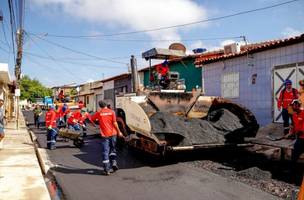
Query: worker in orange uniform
x=84 y=116
x=77 y=119
x=301 y=93
x=74 y=119
x=163 y=70
x=62 y=112
x=51 y=125
x=287 y=95
x=297 y=130
x=109 y=131
x=61 y=96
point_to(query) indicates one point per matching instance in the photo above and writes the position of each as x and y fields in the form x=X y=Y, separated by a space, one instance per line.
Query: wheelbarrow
x=71 y=134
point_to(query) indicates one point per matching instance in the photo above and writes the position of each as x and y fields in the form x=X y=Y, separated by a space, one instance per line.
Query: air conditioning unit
x=173 y=76
x=232 y=48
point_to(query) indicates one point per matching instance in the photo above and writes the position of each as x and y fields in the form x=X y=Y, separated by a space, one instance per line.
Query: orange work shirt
x=50 y=119
x=298 y=123
x=106 y=118
x=286 y=97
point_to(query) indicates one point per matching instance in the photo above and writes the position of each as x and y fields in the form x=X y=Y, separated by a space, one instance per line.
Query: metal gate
x=295 y=73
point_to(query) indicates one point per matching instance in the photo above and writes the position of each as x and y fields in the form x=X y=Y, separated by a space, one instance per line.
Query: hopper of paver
x=173 y=121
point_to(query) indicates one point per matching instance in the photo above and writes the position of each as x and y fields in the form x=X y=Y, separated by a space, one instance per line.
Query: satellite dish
x=199 y=50
x=178 y=46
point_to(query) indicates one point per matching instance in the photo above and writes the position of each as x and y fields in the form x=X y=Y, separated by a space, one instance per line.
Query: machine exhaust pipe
x=134 y=74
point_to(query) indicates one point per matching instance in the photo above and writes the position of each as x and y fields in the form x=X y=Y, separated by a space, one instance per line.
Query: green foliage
x=73 y=92
x=32 y=88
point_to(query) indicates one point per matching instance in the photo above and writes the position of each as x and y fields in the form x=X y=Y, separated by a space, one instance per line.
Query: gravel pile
x=253 y=176
x=220 y=126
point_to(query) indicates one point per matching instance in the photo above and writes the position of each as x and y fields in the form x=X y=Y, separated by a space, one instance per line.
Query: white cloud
x=133 y=14
x=291 y=32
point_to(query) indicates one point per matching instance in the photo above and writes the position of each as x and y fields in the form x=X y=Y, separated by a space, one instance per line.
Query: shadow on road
x=70 y=170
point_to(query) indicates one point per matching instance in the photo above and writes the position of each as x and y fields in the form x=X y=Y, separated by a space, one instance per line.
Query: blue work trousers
x=108 y=152
x=51 y=138
x=76 y=127
x=286 y=117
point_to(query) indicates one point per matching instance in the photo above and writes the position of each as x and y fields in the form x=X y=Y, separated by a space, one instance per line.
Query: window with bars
x=230 y=85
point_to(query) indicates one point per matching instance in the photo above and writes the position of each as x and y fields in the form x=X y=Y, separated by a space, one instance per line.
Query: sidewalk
x=20 y=173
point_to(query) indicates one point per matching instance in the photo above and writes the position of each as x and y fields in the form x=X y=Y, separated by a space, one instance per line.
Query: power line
x=160 y=40
x=17 y=14
x=70 y=62
x=13 y=15
x=12 y=28
x=176 y=26
x=6 y=51
x=77 y=51
x=52 y=58
x=21 y=13
x=4 y=34
x=46 y=67
x=80 y=59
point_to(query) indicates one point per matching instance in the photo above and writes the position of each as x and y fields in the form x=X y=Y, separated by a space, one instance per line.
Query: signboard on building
x=17 y=92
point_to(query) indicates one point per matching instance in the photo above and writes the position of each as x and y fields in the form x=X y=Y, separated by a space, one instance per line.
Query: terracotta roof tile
x=252 y=48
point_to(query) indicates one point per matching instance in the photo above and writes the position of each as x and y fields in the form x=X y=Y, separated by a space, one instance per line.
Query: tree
x=32 y=89
x=73 y=92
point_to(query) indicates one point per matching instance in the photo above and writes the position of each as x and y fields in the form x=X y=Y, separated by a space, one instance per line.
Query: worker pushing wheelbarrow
x=76 y=130
x=72 y=134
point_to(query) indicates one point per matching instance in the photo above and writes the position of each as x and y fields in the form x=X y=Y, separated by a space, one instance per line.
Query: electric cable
x=77 y=51
x=54 y=60
x=176 y=26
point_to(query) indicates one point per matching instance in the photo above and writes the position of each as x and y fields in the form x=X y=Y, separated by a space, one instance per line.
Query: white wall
x=257 y=97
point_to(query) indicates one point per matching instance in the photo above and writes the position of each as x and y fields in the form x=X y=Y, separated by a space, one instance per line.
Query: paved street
x=79 y=171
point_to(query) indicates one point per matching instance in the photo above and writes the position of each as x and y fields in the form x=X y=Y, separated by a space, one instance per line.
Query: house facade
x=184 y=66
x=254 y=77
x=7 y=91
x=96 y=88
x=86 y=95
x=116 y=85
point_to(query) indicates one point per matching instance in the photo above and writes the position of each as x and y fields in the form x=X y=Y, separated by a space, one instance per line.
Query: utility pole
x=19 y=38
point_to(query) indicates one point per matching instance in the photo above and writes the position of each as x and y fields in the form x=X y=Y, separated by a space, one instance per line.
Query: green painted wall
x=187 y=71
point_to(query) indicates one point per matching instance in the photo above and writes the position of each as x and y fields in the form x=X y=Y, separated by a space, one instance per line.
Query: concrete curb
x=43 y=159
x=46 y=165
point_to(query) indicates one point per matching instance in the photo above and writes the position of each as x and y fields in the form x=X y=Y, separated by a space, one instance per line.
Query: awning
x=157 y=53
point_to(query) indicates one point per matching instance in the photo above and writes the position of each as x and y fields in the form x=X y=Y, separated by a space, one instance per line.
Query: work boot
x=106 y=173
x=52 y=148
x=115 y=168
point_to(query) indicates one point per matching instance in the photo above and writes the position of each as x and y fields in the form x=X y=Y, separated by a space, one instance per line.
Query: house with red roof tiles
x=254 y=75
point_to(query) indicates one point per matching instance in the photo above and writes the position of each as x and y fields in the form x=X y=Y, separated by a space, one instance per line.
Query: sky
x=106 y=52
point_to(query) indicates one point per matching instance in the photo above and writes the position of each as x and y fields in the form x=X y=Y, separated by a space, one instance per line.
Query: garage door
x=280 y=74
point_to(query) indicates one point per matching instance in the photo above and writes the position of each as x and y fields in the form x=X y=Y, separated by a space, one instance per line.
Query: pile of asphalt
x=219 y=127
